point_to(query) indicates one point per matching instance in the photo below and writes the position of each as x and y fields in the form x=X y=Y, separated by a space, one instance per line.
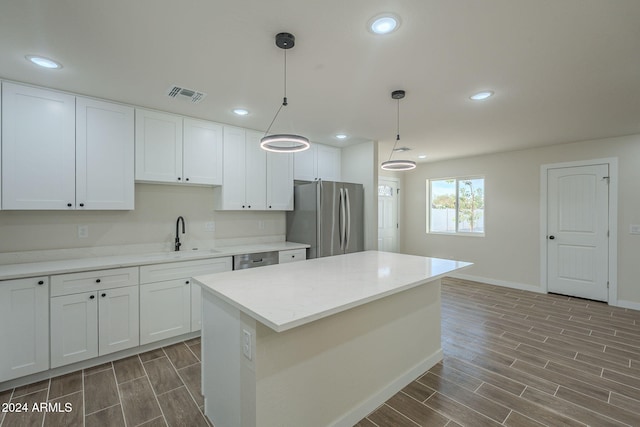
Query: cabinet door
x=305 y=165
x=231 y=196
x=104 y=155
x=158 y=146
x=329 y=163
x=38 y=148
x=74 y=328
x=279 y=181
x=202 y=152
x=118 y=319
x=196 y=307
x=165 y=310
x=24 y=327
x=255 y=172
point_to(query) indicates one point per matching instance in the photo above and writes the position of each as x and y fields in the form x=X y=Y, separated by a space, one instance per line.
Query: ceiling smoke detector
x=185 y=94
x=401 y=149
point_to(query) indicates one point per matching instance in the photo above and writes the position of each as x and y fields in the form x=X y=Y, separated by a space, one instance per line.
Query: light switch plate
x=210 y=226
x=83 y=231
x=634 y=229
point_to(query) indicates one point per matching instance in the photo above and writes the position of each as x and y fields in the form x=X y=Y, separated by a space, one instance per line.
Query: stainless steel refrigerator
x=329 y=216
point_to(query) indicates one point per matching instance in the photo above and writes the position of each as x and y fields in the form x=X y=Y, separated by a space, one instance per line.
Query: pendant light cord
x=398 y=132
x=284 y=99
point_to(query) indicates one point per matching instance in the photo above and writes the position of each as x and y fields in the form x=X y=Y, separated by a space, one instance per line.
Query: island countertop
x=286 y=296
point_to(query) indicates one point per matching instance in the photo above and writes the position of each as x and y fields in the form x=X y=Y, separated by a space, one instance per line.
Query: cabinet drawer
x=87 y=281
x=183 y=269
x=292 y=255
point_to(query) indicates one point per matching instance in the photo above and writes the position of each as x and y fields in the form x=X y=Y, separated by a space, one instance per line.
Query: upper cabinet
x=173 y=149
x=253 y=179
x=318 y=162
x=59 y=157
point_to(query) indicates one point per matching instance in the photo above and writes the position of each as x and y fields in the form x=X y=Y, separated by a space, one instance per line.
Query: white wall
x=509 y=254
x=356 y=164
x=153 y=221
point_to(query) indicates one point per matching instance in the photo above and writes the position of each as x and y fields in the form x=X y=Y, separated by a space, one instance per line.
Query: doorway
x=388 y=222
x=577 y=218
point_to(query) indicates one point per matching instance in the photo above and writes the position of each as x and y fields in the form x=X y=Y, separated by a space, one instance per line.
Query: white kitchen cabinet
x=280 y=181
x=93 y=313
x=165 y=310
x=92 y=324
x=104 y=155
x=253 y=179
x=24 y=327
x=172 y=149
x=38 y=148
x=318 y=162
x=62 y=153
x=170 y=304
x=292 y=255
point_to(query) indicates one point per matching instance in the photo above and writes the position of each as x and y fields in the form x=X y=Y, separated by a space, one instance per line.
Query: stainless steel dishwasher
x=240 y=262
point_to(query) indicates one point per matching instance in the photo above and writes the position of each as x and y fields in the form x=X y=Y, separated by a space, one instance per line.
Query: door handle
x=348 y=232
x=552 y=237
x=341 y=218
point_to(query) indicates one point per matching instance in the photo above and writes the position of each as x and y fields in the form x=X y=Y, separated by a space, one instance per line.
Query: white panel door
x=118 y=319
x=24 y=327
x=279 y=181
x=38 y=148
x=158 y=146
x=202 y=152
x=577 y=235
x=104 y=155
x=256 y=172
x=388 y=216
x=165 y=310
x=74 y=328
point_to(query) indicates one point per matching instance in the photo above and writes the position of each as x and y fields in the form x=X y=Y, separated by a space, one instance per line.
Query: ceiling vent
x=185 y=94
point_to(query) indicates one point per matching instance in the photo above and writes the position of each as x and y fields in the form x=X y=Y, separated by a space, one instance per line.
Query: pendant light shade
x=284 y=143
x=397 y=165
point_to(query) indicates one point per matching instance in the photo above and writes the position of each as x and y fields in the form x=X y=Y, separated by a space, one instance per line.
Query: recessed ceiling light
x=422 y=156
x=241 y=111
x=482 y=95
x=41 y=61
x=384 y=23
x=341 y=136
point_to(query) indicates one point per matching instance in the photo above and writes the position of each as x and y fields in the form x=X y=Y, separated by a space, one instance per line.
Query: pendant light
x=284 y=143
x=397 y=165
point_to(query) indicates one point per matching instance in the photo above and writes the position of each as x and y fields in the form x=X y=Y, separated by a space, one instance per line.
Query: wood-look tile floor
x=511 y=358
x=157 y=388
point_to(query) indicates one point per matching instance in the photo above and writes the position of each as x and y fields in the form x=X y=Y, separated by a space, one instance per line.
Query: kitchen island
x=319 y=342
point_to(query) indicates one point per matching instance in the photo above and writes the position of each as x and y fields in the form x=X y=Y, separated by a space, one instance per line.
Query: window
x=456 y=206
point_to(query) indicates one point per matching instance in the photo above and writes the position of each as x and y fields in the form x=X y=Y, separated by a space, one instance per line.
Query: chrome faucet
x=178 y=244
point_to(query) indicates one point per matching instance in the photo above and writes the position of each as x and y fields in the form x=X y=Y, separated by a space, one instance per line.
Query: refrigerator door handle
x=342 y=219
x=347 y=234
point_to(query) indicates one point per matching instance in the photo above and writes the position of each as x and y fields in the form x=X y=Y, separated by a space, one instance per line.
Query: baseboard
x=377 y=399
x=505 y=284
x=628 y=304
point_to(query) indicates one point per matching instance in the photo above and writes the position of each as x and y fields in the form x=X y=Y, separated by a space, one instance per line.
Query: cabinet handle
x=69 y=205
x=269 y=206
x=242 y=206
x=293 y=256
x=92 y=297
x=82 y=205
x=104 y=295
x=186 y=179
x=179 y=179
x=40 y=282
x=187 y=282
x=97 y=280
x=249 y=206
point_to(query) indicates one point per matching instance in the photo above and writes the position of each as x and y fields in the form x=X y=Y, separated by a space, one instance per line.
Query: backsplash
x=151 y=225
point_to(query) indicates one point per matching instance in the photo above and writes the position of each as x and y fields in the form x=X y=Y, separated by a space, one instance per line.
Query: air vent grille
x=178 y=92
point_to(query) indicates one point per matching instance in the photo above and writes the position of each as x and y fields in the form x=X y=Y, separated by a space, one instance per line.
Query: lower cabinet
x=24 y=327
x=92 y=324
x=292 y=255
x=170 y=305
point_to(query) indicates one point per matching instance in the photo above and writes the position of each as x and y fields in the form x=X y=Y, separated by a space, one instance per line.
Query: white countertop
x=45 y=268
x=285 y=296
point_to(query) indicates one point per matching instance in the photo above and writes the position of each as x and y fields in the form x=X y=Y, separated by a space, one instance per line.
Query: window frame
x=456 y=179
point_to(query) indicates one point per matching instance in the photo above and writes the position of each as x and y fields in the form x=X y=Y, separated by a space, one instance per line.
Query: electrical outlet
x=260 y=224
x=83 y=231
x=246 y=344
x=210 y=226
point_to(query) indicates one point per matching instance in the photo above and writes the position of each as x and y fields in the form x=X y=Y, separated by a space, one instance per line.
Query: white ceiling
x=562 y=70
